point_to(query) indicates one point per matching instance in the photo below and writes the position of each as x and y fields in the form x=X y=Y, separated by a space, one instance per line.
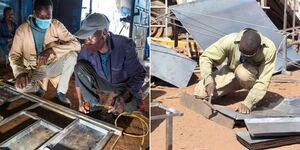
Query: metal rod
x=158 y=117
x=169 y=132
x=284 y=48
x=284 y=15
x=294 y=20
x=166 y=19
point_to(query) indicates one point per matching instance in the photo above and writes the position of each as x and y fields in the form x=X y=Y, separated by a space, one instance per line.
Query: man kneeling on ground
x=250 y=64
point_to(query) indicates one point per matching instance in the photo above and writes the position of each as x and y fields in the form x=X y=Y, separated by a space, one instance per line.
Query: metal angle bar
x=30 y=114
x=169 y=132
x=67 y=111
x=104 y=141
x=158 y=117
x=6 y=120
x=59 y=136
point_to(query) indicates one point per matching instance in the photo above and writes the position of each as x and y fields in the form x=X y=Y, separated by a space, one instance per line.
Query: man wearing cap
x=250 y=63
x=43 y=49
x=107 y=63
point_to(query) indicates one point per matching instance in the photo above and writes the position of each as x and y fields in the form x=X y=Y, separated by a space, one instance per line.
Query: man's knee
x=81 y=65
x=71 y=58
x=246 y=75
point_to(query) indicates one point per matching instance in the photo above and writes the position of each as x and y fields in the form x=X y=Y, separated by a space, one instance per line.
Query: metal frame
x=170 y=113
x=78 y=119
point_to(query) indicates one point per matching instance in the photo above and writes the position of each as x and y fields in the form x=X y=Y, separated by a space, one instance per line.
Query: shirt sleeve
x=135 y=71
x=70 y=42
x=16 y=54
x=265 y=72
x=214 y=56
x=81 y=56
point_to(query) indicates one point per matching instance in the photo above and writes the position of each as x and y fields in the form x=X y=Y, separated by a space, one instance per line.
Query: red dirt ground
x=194 y=132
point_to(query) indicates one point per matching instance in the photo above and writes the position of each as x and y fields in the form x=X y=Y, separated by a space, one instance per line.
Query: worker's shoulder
x=268 y=43
x=121 y=38
x=56 y=22
x=121 y=41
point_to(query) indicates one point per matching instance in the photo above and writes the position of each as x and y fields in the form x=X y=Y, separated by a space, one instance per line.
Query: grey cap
x=91 y=24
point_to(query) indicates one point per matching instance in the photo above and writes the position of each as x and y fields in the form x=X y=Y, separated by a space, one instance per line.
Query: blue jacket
x=122 y=64
x=5 y=33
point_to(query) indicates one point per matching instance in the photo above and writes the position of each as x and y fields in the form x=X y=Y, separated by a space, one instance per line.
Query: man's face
x=9 y=15
x=96 y=41
x=248 y=51
x=44 y=12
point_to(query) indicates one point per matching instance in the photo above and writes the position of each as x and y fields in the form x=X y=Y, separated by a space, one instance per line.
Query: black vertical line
x=132 y=18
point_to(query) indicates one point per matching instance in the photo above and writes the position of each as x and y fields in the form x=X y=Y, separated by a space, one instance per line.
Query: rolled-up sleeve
x=214 y=56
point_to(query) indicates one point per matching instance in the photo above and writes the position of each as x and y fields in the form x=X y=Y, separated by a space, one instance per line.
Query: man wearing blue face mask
x=43 y=49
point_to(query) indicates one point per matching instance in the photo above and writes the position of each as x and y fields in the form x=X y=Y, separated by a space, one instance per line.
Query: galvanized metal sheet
x=263 y=143
x=170 y=66
x=209 y=20
x=262 y=127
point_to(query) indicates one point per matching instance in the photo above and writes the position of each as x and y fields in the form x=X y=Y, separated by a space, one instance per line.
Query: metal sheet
x=36 y=135
x=170 y=66
x=207 y=25
x=82 y=136
x=258 y=143
x=7 y=94
x=262 y=127
x=286 y=107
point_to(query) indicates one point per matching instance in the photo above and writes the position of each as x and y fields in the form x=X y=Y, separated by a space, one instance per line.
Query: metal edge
x=69 y=111
x=20 y=133
x=30 y=114
x=59 y=136
x=16 y=115
x=104 y=141
x=93 y=126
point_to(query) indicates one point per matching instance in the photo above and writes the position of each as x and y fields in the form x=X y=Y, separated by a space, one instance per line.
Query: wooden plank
x=202 y=108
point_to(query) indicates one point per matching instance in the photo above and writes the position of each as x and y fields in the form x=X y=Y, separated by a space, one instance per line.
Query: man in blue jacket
x=107 y=64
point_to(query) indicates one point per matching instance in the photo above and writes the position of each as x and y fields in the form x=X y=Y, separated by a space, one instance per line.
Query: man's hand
x=82 y=109
x=43 y=56
x=243 y=109
x=118 y=106
x=210 y=89
x=22 y=80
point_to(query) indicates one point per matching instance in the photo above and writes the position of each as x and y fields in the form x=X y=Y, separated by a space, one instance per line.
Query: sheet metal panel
x=262 y=127
x=258 y=143
x=209 y=20
x=170 y=66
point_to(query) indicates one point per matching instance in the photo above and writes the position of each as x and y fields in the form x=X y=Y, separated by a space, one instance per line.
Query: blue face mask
x=43 y=23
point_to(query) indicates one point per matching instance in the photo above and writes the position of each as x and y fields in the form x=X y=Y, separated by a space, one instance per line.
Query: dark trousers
x=90 y=82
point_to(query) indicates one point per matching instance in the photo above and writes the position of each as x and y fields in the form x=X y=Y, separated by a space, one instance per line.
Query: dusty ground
x=128 y=124
x=194 y=132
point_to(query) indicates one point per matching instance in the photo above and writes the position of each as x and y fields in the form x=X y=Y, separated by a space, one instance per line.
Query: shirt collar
x=240 y=34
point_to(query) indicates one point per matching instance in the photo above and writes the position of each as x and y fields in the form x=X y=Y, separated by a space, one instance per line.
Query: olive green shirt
x=228 y=47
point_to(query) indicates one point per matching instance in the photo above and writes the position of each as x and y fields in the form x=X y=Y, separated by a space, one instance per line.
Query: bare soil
x=194 y=132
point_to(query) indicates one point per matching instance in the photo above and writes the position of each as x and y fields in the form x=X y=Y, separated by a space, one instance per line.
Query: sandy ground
x=194 y=132
x=128 y=124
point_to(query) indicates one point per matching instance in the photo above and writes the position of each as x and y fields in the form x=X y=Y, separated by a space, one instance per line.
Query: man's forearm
x=79 y=96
